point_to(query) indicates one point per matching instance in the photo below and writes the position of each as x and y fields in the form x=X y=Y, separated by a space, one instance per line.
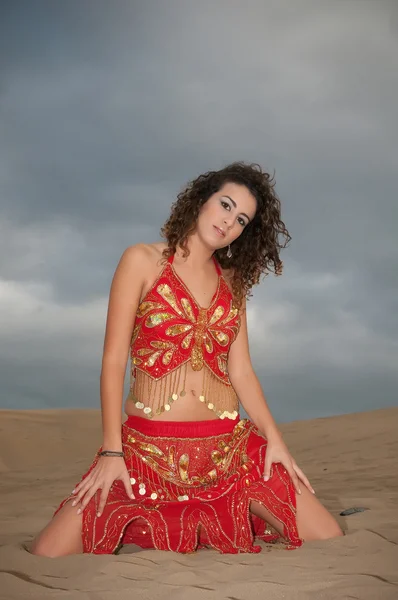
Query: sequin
x=216 y=456
x=166 y=293
x=177 y=329
x=144 y=351
x=167 y=356
x=132 y=480
x=142 y=491
x=208 y=344
x=154 y=496
x=197 y=358
x=152 y=359
x=161 y=344
x=157 y=319
x=145 y=307
x=222 y=363
x=222 y=337
x=188 y=309
x=151 y=449
x=187 y=340
x=135 y=334
x=183 y=466
x=232 y=314
x=218 y=313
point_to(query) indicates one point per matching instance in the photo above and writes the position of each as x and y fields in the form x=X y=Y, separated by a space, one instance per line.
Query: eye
x=241 y=221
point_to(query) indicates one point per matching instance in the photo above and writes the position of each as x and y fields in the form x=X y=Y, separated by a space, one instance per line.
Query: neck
x=199 y=254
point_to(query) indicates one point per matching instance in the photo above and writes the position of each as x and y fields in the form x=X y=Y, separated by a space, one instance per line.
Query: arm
x=125 y=293
x=246 y=383
x=248 y=389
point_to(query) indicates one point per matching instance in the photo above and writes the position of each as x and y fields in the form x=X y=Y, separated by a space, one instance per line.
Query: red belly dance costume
x=193 y=481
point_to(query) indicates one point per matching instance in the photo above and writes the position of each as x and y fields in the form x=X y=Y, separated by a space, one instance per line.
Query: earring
x=229 y=253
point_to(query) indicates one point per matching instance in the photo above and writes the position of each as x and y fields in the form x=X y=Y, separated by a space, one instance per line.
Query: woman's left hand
x=277 y=452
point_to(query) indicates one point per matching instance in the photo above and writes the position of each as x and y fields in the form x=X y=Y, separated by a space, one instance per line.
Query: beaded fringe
x=154 y=396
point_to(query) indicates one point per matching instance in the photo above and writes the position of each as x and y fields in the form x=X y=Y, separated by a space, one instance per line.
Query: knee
x=322 y=529
x=338 y=532
x=40 y=547
x=333 y=530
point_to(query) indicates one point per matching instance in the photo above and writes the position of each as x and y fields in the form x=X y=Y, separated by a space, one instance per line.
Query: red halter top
x=171 y=329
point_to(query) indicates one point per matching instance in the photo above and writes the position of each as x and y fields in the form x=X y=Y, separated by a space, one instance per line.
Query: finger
x=83 y=491
x=103 y=499
x=127 y=485
x=89 y=494
x=304 y=479
x=267 y=468
x=294 y=478
x=82 y=483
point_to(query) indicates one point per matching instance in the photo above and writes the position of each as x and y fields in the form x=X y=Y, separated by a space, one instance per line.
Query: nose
x=226 y=223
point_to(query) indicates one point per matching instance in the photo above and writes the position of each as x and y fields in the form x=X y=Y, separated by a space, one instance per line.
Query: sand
x=351 y=460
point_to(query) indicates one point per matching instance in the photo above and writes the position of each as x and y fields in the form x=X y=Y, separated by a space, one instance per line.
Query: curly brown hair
x=257 y=248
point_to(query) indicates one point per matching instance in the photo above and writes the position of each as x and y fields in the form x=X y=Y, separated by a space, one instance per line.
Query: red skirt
x=193 y=484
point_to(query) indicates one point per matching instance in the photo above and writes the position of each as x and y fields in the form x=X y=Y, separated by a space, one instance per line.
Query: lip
x=221 y=233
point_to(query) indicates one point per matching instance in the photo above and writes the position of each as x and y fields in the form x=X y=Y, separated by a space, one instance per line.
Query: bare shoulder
x=143 y=255
x=155 y=252
x=141 y=263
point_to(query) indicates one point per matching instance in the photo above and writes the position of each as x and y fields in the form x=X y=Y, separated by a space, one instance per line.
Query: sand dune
x=351 y=460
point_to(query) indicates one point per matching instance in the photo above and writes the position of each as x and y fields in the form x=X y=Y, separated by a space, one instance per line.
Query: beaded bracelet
x=110 y=453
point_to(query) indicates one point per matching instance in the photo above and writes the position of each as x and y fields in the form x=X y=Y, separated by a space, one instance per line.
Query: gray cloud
x=106 y=110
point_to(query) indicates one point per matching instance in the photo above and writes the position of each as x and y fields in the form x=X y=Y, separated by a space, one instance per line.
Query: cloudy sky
x=108 y=108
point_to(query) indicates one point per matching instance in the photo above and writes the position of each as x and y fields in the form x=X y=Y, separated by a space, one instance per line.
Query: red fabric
x=216 y=469
x=170 y=328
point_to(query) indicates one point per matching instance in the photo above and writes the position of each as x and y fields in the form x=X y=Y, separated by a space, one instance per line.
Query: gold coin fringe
x=154 y=397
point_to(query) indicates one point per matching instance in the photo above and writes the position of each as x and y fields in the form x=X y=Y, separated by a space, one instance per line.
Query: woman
x=184 y=471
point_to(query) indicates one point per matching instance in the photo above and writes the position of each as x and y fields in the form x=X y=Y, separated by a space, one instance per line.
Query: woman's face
x=226 y=214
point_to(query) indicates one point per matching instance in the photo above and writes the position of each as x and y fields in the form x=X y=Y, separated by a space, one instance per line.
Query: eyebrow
x=234 y=203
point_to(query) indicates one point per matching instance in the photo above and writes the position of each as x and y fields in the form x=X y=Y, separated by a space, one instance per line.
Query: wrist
x=273 y=434
x=111 y=453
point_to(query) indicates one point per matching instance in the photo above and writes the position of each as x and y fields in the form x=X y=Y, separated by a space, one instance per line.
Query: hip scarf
x=193 y=484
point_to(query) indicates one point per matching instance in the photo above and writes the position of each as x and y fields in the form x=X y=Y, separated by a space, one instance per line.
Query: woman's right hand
x=105 y=472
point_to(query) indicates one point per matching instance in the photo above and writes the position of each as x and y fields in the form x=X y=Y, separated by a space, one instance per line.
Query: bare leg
x=314 y=522
x=62 y=535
